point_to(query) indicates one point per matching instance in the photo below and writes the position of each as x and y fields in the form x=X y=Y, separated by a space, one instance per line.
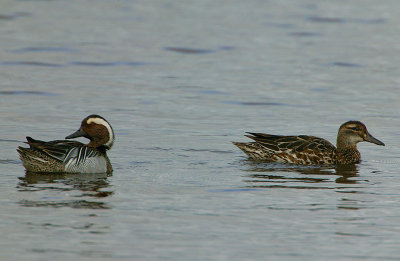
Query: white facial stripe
x=105 y=124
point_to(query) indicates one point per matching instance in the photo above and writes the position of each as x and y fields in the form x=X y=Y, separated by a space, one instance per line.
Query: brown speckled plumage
x=307 y=150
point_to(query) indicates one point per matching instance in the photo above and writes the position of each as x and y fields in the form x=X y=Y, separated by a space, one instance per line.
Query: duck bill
x=368 y=137
x=77 y=134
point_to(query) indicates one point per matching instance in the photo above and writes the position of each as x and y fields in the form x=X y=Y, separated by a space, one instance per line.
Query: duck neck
x=97 y=143
x=345 y=142
x=346 y=151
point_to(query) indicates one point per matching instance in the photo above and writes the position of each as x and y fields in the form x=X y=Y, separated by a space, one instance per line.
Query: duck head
x=352 y=132
x=97 y=130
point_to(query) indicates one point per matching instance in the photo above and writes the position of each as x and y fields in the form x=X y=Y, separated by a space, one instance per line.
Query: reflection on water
x=266 y=175
x=77 y=185
x=347 y=172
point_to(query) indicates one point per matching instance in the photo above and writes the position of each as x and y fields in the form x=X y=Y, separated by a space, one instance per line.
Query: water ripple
x=13 y=16
x=305 y=34
x=8 y=161
x=345 y=64
x=106 y=64
x=28 y=93
x=318 y=19
x=31 y=63
x=187 y=50
x=265 y=104
x=74 y=63
x=280 y=25
x=67 y=203
x=44 y=49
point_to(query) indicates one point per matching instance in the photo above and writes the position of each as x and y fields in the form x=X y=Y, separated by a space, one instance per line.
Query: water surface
x=179 y=82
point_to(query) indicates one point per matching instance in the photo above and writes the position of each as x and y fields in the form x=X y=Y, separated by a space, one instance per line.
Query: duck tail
x=29 y=158
x=252 y=149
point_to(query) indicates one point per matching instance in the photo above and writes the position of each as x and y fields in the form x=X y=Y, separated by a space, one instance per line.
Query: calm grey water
x=179 y=81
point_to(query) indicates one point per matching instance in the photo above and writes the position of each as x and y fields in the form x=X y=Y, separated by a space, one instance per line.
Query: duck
x=66 y=156
x=309 y=150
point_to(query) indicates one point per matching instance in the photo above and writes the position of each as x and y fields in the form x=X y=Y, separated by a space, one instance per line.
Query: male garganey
x=72 y=156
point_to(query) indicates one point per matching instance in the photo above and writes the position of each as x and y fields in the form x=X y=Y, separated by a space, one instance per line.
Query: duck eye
x=355 y=128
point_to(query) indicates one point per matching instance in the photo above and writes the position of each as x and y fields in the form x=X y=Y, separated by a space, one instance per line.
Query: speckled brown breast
x=348 y=156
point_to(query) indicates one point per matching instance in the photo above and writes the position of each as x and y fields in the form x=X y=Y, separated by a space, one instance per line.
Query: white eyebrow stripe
x=105 y=124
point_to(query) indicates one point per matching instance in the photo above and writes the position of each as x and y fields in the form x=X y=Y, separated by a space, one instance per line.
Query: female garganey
x=308 y=149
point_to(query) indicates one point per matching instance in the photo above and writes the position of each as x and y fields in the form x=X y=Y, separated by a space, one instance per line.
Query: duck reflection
x=65 y=190
x=346 y=172
x=266 y=175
